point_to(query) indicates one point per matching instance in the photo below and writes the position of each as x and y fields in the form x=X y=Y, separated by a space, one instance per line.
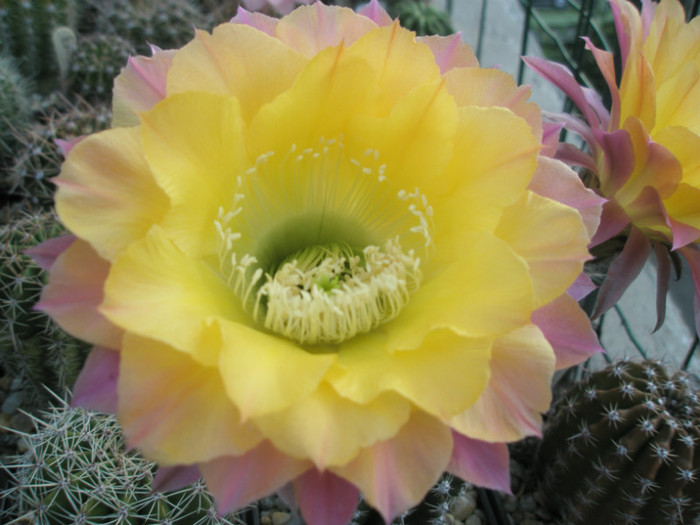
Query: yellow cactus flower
x=319 y=250
x=646 y=150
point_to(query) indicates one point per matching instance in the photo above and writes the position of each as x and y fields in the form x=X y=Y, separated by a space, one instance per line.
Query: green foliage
x=422 y=18
x=14 y=103
x=38 y=158
x=620 y=448
x=77 y=470
x=32 y=347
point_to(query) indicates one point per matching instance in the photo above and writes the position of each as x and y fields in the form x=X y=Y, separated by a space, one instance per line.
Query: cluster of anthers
x=321 y=277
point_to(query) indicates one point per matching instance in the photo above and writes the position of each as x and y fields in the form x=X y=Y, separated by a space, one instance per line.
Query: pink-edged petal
x=481 y=463
x=450 y=51
x=259 y=21
x=568 y=330
x=663 y=277
x=683 y=234
x=691 y=253
x=140 y=86
x=573 y=156
x=175 y=477
x=606 y=64
x=324 y=498
x=236 y=481
x=311 y=29
x=74 y=293
x=376 y=13
x=66 y=145
x=511 y=405
x=46 y=253
x=582 y=287
x=619 y=161
x=394 y=475
x=96 y=386
x=623 y=270
x=554 y=180
x=561 y=77
x=550 y=138
x=613 y=220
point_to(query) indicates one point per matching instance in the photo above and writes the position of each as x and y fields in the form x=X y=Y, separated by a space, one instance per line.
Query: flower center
x=319 y=247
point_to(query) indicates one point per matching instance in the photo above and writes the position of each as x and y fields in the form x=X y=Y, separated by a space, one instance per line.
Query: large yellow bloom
x=646 y=150
x=319 y=250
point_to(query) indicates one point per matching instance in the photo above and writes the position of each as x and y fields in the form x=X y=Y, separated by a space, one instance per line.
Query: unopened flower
x=320 y=251
x=645 y=152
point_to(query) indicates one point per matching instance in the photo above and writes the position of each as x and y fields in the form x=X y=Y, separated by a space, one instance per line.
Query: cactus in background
x=95 y=63
x=27 y=26
x=38 y=158
x=167 y=24
x=77 y=470
x=422 y=18
x=32 y=347
x=14 y=104
x=620 y=448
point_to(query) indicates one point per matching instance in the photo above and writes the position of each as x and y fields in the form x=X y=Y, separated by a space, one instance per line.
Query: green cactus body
x=28 y=25
x=95 y=63
x=14 y=104
x=32 y=347
x=39 y=158
x=77 y=470
x=422 y=18
x=620 y=449
x=167 y=24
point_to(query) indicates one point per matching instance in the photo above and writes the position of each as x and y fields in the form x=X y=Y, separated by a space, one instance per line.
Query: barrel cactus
x=95 y=63
x=38 y=157
x=422 y=18
x=32 y=347
x=619 y=448
x=77 y=470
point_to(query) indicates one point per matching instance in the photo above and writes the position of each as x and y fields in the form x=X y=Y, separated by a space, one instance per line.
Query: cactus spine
x=77 y=470
x=620 y=448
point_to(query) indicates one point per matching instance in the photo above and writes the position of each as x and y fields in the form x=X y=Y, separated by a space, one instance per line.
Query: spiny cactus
x=167 y=24
x=32 y=347
x=620 y=448
x=38 y=157
x=14 y=104
x=422 y=18
x=95 y=63
x=77 y=471
x=27 y=25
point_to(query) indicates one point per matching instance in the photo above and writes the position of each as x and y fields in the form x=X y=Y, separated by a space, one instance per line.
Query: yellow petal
x=510 y=407
x=684 y=205
x=264 y=373
x=684 y=145
x=415 y=141
x=194 y=145
x=324 y=96
x=174 y=409
x=678 y=100
x=228 y=62
x=486 y=291
x=391 y=51
x=552 y=239
x=395 y=474
x=329 y=429
x=106 y=176
x=491 y=87
x=443 y=377
x=638 y=91
x=310 y=29
x=155 y=290
x=495 y=157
